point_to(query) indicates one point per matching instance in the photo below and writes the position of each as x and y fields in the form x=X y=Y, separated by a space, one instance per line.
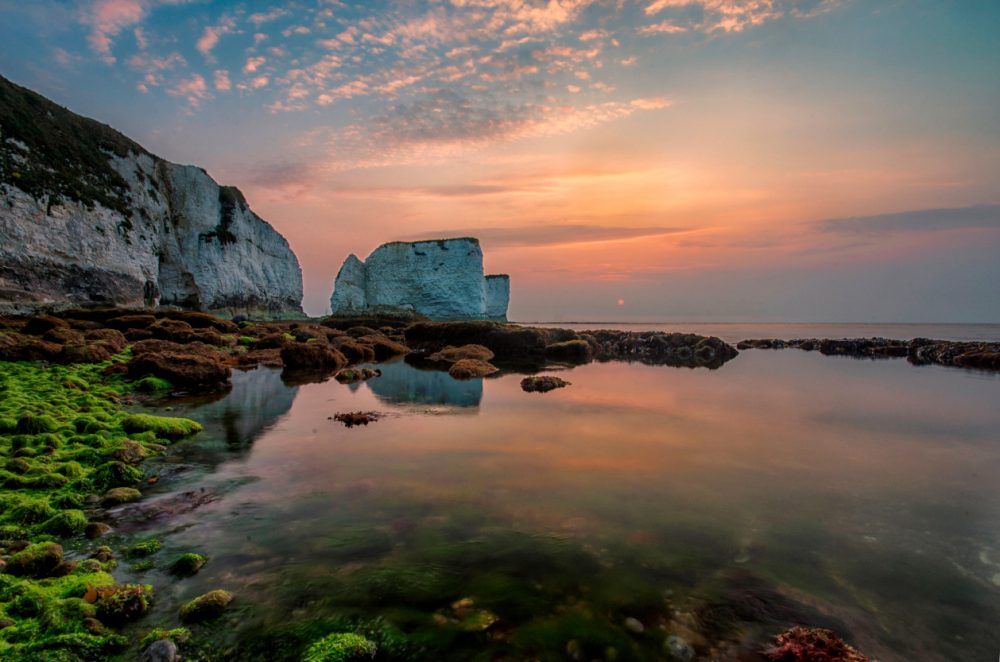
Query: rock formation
x=89 y=217
x=441 y=279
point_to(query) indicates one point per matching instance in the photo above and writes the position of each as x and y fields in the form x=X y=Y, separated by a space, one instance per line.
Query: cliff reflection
x=258 y=399
x=401 y=383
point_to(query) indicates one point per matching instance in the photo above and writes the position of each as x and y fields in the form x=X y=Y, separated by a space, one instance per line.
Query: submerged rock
x=350 y=419
x=542 y=384
x=206 y=607
x=801 y=644
x=677 y=649
x=161 y=650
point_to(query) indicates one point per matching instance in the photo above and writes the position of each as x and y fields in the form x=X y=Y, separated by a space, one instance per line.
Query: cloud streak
x=922 y=220
x=527 y=236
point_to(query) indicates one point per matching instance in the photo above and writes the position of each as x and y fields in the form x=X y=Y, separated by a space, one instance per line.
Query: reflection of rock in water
x=401 y=383
x=258 y=399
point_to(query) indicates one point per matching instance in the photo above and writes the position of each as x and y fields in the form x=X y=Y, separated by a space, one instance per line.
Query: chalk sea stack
x=89 y=217
x=441 y=279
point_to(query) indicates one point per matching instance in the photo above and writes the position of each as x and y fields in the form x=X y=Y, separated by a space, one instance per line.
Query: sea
x=639 y=513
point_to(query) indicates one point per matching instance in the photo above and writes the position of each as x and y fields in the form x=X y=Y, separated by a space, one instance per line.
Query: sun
x=621 y=302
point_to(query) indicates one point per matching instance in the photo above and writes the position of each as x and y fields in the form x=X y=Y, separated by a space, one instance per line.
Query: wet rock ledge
x=192 y=351
x=919 y=351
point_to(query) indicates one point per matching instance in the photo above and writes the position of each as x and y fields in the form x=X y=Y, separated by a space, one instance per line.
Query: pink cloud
x=194 y=89
x=253 y=64
x=222 y=82
x=210 y=37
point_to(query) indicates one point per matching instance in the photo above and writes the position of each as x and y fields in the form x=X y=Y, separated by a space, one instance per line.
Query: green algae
x=177 y=635
x=206 y=607
x=340 y=647
x=63 y=441
x=143 y=549
x=165 y=427
x=188 y=564
x=152 y=384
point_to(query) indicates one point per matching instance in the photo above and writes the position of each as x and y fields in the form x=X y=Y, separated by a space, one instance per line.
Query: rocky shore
x=919 y=351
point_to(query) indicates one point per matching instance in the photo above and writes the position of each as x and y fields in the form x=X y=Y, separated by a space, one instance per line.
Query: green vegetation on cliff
x=52 y=153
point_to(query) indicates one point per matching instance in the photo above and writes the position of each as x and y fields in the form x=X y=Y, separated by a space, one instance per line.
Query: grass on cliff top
x=67 y=154
x=63 y=437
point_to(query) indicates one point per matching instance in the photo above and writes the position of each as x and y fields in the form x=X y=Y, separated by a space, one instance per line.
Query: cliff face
x=89 y=217
x=442 y=279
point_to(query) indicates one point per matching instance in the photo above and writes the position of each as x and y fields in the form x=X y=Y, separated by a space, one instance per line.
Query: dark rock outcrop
x=919 y=351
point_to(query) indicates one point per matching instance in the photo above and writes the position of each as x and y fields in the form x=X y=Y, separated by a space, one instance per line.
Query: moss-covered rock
x=165 y=427
x=340 y=647
x=117 y=605
x=65 y=523
x=119 y=495
x=115 y=474
x=187 y=565
x=143 y=549
x=206 y=607
x=471 y=368
x=152 y=384
x=39 y=560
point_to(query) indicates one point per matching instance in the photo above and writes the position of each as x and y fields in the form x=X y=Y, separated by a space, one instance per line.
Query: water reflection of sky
x=866 y=484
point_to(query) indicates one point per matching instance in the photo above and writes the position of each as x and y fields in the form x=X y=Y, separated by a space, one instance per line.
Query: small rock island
x=441 y=279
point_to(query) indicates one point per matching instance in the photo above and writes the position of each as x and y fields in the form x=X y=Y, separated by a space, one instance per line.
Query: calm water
x=734 y=332
x=718 y=506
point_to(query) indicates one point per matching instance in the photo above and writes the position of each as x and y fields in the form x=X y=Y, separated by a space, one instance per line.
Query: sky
x=622 y=160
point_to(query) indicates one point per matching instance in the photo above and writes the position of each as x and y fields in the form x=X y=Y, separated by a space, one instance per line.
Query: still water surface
x=718 y=506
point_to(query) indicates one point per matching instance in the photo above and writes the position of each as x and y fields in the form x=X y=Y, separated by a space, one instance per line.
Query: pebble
x=162 y=650
x=678 y=649
x=634 y=625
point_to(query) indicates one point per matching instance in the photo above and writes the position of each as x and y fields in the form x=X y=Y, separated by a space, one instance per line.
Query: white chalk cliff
x=442 y=279
x=89 y=217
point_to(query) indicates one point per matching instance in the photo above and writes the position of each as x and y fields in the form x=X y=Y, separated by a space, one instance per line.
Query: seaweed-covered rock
x=383 y=347
x=83 y=353
x=183 y=369
x=113 y=339
x=117 y=605
x=164 y=427
x=542 y=383
x=41 y=324
x=340 y=647
x=508 y=342
x=65 y=523
x=119 y=495
x=470 y=368
x=452 y=354
x=352 y=418
x=187 y=565
x=17 y=347
x=39 y=560
x=801 y=644
x=569 y=351
x=312 y=356
x=352 y=350
x=206 y=607
x=355 y=375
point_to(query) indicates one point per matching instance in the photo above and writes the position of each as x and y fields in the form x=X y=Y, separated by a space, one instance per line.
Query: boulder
x=470 y=368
